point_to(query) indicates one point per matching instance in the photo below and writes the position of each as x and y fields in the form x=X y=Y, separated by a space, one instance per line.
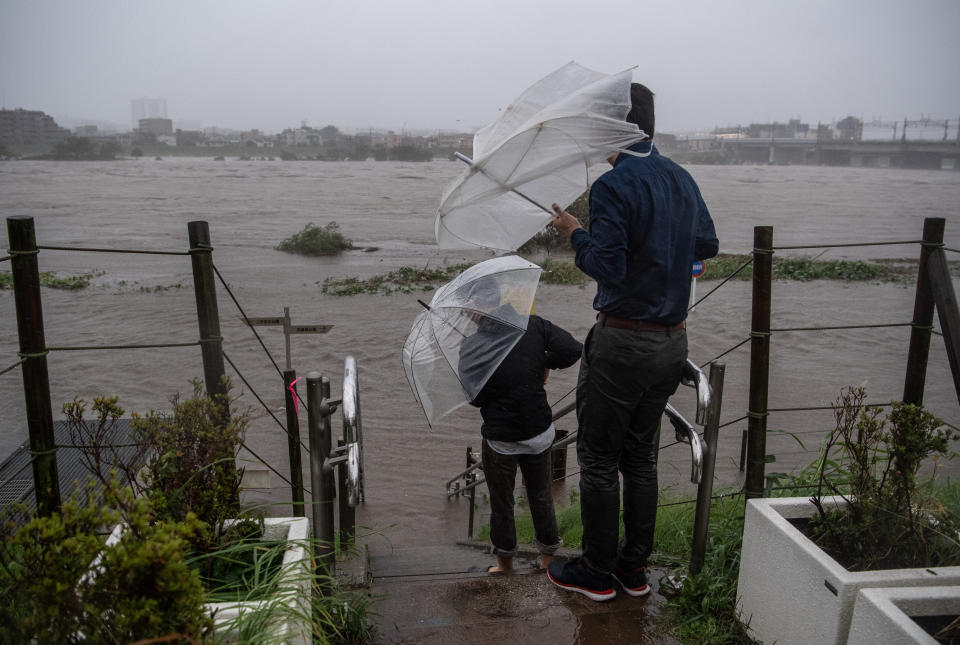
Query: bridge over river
x=944 y=155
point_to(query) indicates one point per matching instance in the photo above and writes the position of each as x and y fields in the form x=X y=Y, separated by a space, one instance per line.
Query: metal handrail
x=685 y=433
x=352 y=431
x=692 y=376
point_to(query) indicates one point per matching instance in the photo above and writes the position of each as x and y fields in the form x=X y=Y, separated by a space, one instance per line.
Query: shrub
x=186 y=491
x=889 y=518
x=140 y=588
x=314 y=240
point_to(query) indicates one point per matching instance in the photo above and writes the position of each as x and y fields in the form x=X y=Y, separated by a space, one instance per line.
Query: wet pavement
x=442 y=594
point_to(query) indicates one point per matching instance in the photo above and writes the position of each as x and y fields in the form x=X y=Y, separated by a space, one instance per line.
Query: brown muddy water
x=253 y=205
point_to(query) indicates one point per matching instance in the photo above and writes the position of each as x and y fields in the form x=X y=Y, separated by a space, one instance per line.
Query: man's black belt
x=636 y=325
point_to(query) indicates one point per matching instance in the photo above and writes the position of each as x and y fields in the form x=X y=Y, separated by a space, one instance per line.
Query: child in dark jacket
x=518 y=432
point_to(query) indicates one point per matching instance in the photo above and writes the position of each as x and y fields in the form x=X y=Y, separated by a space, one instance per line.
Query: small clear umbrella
x=469 y=327
x=537 y=153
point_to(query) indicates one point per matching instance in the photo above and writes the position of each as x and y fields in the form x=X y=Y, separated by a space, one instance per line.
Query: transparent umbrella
x=537 y=153
x=469 y=327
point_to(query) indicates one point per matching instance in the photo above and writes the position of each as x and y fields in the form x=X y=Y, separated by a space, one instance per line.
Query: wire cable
x=14 y=366
x=725 y=281
x=262 y=403
x=245 y=319
x=782 y=329
x=98 y=347
x=254 y=330
x=835 y=246
x=98 y=250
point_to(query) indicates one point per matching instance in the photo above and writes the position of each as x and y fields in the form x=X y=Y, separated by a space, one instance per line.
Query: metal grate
x=16 y=475
x=14 y=490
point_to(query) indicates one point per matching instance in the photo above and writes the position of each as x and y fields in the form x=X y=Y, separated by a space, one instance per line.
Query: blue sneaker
x=573 y=576
x=634 y=581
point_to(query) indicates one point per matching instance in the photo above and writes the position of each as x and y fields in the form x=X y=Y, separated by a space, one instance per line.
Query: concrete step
x=442 y=594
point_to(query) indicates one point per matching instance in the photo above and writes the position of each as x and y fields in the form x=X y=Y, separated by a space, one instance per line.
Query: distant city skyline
x=430 y=64
x=922 y=127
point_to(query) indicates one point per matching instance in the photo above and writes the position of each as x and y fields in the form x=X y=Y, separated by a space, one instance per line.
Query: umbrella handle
x=467 y=160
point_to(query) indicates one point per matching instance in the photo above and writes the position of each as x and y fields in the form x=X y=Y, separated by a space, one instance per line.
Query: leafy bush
x=314 y=240
x=190 y=456
x=190 y=467
x=140 y=587
x=889 y=518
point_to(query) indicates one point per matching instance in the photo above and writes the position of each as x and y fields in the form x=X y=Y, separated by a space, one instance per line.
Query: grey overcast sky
x=452 y=64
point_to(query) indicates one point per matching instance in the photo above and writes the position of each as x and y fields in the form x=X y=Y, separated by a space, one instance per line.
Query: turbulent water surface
x=388 y=209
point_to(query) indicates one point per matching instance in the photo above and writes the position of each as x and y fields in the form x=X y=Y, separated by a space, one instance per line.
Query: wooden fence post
x=33 y=351
x=922 y=324
x=759 y=361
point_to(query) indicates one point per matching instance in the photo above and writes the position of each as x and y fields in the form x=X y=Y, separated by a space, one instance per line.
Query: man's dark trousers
x=626 y=377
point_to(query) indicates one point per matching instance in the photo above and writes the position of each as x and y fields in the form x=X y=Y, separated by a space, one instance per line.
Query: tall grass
x=280 y=603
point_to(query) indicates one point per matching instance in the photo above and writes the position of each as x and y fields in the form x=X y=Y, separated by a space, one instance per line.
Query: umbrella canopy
x=471 y=325
x=536 y=154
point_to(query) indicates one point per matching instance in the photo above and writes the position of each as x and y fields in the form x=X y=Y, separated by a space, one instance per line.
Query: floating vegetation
x=807 y=269
x=159 y=288
x=52 y=280
x=403 y=280
x=316 y=240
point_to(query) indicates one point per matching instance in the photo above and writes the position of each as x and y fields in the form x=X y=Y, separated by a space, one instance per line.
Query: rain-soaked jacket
x=513 y=403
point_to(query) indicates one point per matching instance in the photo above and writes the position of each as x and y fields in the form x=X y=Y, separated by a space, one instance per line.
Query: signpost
x=290 y=398
x=288 y=328
x=698 y=269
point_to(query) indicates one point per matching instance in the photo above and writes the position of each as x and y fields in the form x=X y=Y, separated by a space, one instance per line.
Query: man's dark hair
x=641 y=110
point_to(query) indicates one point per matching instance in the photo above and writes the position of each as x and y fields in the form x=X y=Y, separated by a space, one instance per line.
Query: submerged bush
x=314 y=240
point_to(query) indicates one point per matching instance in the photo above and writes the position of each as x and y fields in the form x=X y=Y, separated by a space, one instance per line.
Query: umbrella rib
x=480 y=169
x=436 y=339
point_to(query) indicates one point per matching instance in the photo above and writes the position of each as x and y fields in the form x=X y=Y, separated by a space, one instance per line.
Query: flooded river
x=388 y=208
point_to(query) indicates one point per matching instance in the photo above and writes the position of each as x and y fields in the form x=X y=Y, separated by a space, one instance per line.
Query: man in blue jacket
x=518 y=433
x=648 y=224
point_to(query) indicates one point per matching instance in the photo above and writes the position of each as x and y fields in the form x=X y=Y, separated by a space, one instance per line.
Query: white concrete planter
x=790 y=591
x=293 y=590
x=886 y=615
